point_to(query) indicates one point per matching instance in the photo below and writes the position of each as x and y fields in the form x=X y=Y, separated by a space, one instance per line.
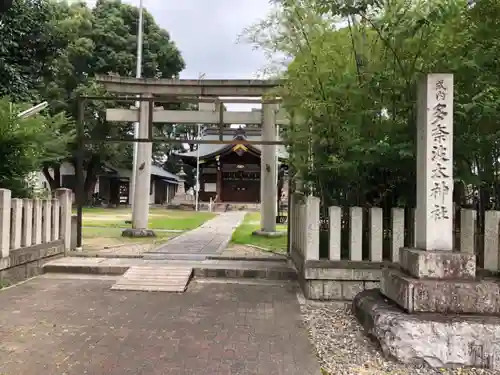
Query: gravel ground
x=343 y=349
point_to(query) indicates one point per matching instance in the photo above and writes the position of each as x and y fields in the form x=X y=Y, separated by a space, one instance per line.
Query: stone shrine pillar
x=434 y=214
x=433 y=267
x=140 y=213
x=461 y=321
x=268 y=171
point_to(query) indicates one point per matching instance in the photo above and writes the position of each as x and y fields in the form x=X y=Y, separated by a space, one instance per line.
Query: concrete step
x=263 y=258
x=158 y=255
x=157 y=278
x=94 y=266
x=268 y=272
x=252 y=269
x=168 y=256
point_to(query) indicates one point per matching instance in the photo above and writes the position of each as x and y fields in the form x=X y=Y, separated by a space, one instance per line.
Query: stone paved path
x=210 y=238
x=74 y=327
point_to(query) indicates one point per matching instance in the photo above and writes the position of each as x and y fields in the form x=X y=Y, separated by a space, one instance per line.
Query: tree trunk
x=91 y=177
x=57 y=177
x=54 y=182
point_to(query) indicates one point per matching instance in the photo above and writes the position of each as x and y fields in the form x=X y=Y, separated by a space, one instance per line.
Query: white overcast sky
x=206 y=32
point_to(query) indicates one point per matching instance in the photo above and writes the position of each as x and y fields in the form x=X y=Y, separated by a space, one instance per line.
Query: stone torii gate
x=208 y=92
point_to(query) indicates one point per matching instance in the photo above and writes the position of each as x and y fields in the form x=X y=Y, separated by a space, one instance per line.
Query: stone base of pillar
x=439 y=282
x=263 y=233
x=438 y=340
x=441 y=296
x=131 y=232
x=181 y=206
x=458 y=313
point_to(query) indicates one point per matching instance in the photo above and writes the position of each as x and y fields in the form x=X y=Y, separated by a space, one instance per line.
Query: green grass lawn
x=99 y=238
x=158 y=218
x=243 y=235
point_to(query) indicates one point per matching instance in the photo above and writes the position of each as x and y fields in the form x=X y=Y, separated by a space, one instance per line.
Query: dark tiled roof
x=155 y=171
x=229 y=134
x=160 y=172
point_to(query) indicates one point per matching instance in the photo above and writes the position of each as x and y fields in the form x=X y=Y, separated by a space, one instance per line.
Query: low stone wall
x=336 y=280
x=26 y=262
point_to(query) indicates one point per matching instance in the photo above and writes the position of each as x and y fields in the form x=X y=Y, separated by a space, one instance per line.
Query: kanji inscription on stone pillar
x=435 y=163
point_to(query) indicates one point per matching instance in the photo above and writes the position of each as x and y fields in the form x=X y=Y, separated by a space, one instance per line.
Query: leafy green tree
x=28 y=44
x=351 y=89
x=25 y=144
x=100 y=41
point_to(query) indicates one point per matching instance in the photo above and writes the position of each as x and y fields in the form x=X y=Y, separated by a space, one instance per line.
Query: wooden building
x=114 y=185
x=230 y=173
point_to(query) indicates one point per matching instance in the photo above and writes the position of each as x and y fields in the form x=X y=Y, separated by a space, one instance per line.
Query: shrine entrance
x=242 y=169
x=241 y=187
x=240 y=177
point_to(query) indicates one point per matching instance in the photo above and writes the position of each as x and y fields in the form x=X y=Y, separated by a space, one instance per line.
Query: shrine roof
x=155 y=171
x=209 y=150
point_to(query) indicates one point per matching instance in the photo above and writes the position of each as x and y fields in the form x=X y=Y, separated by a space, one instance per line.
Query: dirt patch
x=111 y=216
x=121 y=250
x=120 y=246
x=106 y=217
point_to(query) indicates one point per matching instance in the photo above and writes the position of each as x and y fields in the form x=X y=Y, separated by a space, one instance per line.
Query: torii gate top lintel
x=188 y=87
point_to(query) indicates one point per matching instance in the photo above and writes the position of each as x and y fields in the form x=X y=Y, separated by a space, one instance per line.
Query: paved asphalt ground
x=76 y=326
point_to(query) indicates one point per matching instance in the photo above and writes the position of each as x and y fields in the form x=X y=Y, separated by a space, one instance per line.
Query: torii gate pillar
x=140 y=213
x=268 y=174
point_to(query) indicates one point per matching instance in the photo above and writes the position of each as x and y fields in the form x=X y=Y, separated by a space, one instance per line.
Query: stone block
x=441 y=296
x=297 y=260
x=438 y=264
x=440 y=341
x=134 y=233
x=33 y=269
x=4 y=263
x=332 y=290
x=13 y=275
x=351 y=288
x=343 y=270
x=372 y=285
x=313 y=289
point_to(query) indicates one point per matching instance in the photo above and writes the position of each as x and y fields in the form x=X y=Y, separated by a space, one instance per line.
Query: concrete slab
x=74 y=327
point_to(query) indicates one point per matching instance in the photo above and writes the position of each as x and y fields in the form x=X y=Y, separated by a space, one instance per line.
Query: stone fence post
x=27 y=233
x=5 y=202
x=65 y=196
x=16 y=223
x=312 y=227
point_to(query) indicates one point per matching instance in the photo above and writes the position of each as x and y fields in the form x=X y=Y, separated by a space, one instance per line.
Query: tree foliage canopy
x=26 y=143
x=54 y=50
x=351 y=89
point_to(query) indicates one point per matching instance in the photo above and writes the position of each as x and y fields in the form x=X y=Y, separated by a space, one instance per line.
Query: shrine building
x=231 y=172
